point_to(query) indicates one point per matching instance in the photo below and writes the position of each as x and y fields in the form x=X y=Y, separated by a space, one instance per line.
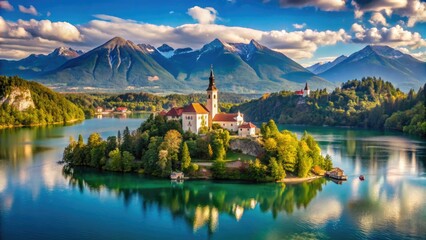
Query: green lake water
x=41 y=200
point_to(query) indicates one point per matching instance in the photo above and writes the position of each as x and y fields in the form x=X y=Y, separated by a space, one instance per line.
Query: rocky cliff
x=18 y=98
x=248 y=146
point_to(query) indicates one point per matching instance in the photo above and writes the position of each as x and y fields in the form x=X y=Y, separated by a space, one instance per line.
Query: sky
x=308 y=31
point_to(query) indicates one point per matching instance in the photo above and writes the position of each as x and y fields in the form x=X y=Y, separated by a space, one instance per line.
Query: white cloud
x=414 y=10
x=60 y=31
x=6 y=5
x=378 y=19
x=326 y=5
x=395 y=36
x=297 y=44
x=299 y=26
x=30 y=10
x=203 y=15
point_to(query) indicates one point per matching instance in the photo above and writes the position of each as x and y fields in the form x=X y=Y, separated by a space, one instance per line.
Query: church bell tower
x=212 y=98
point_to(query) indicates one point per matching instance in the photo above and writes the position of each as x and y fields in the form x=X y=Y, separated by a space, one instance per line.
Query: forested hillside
x=369 y=103
x=149 y=102
x=24 y=103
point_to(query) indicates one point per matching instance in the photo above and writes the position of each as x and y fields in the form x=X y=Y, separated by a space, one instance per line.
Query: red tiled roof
x=225 y=117
x=196 y=108
x=121 y=109
x=175 y=112
x=247 y=125
x=299 y=92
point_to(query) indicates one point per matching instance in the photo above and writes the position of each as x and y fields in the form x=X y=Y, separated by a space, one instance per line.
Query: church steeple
x=212 y=97
x=212 y=85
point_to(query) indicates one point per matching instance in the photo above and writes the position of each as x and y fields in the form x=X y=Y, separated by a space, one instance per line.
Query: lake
x=41 y=200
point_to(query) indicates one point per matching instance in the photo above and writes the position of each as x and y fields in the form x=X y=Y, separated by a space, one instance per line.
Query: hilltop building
x=303 y=92
x=196 y=115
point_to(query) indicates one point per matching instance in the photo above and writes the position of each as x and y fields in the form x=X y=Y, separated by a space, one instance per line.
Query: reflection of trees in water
x=390 y=204
x=17 y=144
x=199 y=203
x=376 y=153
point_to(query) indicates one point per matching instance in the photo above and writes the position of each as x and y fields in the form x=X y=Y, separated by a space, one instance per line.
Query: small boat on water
x=177 y=176
x=361 y=177
x=336 y=173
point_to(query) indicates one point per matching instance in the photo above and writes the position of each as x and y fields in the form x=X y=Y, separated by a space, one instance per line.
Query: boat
x=336 y=173
x=361 y=177
x=177 y=176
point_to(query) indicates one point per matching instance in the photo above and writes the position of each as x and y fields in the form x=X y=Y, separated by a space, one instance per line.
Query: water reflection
x=199 y=203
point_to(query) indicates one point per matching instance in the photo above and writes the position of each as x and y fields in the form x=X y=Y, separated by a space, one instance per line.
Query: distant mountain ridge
x=239 y=67
x=36 y=64
x=403 y=70
x=321 y=67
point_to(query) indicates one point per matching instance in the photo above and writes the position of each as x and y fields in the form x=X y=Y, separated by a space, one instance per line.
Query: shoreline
x=298 y=180
x=41 y=125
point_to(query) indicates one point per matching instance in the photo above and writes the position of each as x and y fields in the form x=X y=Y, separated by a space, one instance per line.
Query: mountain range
x=37 y=64
x=239 y=67
x=402 y=70
x=321 y=67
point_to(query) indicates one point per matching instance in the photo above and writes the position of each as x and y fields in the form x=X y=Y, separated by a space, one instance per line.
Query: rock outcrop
x=18 y=98
x=248 y=146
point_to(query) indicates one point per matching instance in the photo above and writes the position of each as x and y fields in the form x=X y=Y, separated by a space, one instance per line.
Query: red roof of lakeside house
x=196 y=108
x=120 y=109
x=247 y=125
x=163 y=113
x=175 y=112
x=225 y=117
x=299 y=92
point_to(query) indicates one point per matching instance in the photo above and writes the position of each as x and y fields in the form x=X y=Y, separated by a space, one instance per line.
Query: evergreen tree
x=186 y=158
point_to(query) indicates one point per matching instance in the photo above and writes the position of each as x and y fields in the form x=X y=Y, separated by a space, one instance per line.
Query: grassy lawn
x=233 y=156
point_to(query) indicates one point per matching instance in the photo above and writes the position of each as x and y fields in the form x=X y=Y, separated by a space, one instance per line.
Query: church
x=196 y=115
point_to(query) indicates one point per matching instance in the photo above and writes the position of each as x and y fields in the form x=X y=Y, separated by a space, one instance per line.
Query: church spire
x=212 y=85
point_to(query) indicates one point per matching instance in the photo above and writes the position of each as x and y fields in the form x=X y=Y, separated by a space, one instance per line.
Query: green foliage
x=328 y=164
x=185 y=159
x=219 y=152
x=119 y=161
x=277 y=171
x=369 y=103
x=219 y=169
x=49 y=107
x=257 y=171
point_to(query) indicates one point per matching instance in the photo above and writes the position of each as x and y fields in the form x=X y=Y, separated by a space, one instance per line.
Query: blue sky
x=305 y=30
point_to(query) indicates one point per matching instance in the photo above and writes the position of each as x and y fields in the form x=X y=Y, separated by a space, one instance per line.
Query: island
x=195 y=139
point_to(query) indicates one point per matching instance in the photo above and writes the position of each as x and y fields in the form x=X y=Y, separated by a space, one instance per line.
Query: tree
x=209 y=151
x=114 y=162
x=110 y=145
x=277 y=171
x=172 y=143
x=305 y=162
x=127 y=161
x=219 y=152
x=219 y=169
x=126 y=144
x=186 y=158
x=257 y=171
x=119 y=138
x=69 y=151
x=328 y=164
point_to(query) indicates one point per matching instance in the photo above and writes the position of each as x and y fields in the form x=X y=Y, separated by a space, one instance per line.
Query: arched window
x=214 y=96
x=208 y=97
